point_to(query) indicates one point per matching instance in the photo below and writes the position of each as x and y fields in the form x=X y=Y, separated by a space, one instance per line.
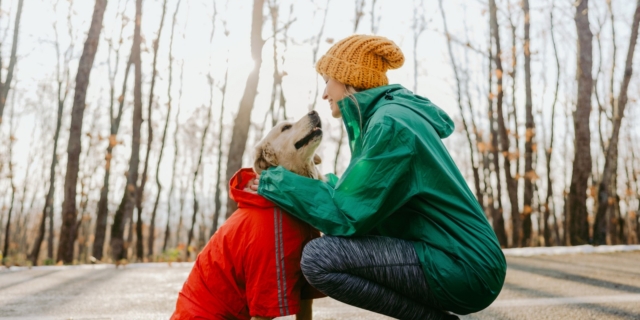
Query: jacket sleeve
x=375 y=185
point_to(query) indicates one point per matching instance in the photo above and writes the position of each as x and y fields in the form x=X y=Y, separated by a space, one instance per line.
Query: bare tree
x=89 y=167
x=67 y=232
x=548 y=202
x=278 y=90
x=202 y=142
x=513 y=112
x=497 y=213
x=606 y=188
x=243 y=118
x=103 y=203
x=223 y=91
x=7 y=232
x=632 y=235
x=152 y=225
x=375 y=21
x=512 y=185
x=635 y=176
x=167 y=230
x=21 y=216
x=529 y=144
x=125 y=210
x=360 y=4
x=6 y=85
x=26 y=219
x=62 y=79
x=315 y=41
x=359 y=13
x=143 y=179
x=418 y=26
x=577 y=198
x=467 y=129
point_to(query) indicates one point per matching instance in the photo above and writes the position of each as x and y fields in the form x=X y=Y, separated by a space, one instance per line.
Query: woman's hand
x=252 y=186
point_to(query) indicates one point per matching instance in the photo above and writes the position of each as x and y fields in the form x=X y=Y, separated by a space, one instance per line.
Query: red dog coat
x=251 y=265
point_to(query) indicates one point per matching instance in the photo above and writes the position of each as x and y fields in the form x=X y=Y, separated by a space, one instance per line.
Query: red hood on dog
x=243 y=198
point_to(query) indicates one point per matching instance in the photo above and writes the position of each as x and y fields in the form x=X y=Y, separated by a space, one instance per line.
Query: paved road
x=586 y=286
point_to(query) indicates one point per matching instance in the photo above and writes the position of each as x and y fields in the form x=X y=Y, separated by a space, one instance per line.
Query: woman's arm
x=374 y=186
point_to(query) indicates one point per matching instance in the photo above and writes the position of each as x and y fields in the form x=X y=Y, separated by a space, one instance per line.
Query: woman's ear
x=264 y=158
x=316 y=159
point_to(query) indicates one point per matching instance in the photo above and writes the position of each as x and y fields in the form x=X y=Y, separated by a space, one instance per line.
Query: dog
x=250 y=268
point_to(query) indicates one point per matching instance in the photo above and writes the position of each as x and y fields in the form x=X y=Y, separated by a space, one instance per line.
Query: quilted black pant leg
x=376 y=273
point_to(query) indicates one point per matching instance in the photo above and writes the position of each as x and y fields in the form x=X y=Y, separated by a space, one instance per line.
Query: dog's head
x=291 y=145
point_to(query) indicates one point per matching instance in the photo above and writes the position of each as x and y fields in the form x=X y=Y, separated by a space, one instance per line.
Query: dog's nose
x=312 y=113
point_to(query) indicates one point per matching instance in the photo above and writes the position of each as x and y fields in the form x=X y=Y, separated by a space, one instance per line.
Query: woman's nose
x=324 y=94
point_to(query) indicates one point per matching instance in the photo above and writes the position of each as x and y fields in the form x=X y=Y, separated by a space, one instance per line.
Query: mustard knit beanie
x=361 y=61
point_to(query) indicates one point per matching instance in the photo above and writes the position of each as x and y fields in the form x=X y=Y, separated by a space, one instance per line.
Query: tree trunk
x=512 y=184
x=152 y=224
x=577 y=199
x=67 y=231
x=277 y=76
x=606 y=188
x=195 y=174
x=7 y=232
x=314 y=50
x=549 y=151
x=472 y=152
x=513 y=113
x=48 y=208
x=20 y=217
x=497 y=214
x=6 y=86
x=202 y=143
x=243 y=118
x=359 y=13
x=167 y=230
x=125 y=210
x=103 y=203
x=218 y=204
x=140 y=191
x=529 y=143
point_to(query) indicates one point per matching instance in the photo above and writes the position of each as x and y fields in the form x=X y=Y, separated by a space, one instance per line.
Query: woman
x=405 y=236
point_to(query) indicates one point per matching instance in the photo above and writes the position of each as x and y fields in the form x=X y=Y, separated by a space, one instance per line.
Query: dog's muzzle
x=315 y=132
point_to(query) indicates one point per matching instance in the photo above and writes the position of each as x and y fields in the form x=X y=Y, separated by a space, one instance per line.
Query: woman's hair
x=351 y=90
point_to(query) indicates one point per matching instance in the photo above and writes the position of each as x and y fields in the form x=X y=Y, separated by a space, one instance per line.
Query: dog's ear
x=265 y=157
x=316 y=159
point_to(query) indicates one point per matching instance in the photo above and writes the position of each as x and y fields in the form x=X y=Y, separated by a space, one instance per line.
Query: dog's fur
x=285 y=146
x=293 y=146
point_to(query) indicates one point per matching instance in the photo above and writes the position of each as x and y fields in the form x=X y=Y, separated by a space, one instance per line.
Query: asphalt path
x=578 y=286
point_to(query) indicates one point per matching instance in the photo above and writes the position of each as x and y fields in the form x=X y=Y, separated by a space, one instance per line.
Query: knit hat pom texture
x=361 y=61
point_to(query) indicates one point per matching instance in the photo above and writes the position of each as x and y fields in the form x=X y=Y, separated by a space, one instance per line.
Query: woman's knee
x=311 y=262
x=317 y=261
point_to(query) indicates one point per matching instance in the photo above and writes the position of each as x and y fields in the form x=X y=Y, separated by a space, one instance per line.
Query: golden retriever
x=293 y=146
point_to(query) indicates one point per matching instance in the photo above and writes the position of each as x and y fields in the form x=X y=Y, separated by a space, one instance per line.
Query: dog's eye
x=286 y=127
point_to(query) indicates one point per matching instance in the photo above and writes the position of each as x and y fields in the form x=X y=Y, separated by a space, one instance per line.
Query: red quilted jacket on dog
x=251 y=265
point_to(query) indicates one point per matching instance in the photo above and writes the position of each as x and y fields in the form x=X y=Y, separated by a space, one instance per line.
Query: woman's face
x=334 y=92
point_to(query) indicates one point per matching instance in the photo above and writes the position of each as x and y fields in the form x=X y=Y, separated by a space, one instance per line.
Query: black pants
x=380 y=274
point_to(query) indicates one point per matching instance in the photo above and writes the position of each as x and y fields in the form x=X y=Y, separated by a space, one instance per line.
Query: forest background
x=122 y=121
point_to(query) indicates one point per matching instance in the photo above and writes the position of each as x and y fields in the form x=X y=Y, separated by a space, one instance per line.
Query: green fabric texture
x=402 y=182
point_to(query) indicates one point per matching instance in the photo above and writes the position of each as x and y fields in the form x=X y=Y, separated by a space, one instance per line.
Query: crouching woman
x=405 y=236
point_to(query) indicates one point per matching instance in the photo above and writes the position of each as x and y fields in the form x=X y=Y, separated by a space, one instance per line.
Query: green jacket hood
x=356 y=114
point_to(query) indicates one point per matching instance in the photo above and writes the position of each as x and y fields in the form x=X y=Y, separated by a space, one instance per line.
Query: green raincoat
x=402 y=183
